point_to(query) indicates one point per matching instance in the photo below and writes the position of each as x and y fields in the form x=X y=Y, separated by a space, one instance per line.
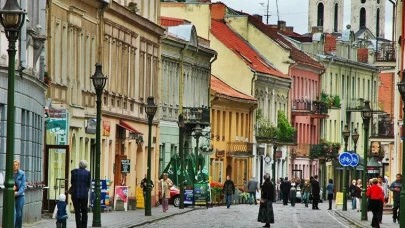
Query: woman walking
x=306 y=191
x=352 y=190
x=165 y=184
x=358 y=194
x=330 y=189
x=266 y=214
x=376 y=202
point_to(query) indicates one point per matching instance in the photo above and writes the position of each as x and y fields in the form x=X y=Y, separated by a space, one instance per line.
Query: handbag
x=263 y=202
x=311 y=197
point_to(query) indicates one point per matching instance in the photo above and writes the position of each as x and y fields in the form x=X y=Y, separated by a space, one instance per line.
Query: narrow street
x=245 y=215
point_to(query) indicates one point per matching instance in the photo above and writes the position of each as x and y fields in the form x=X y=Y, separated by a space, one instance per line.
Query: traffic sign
x=355 y=160
x=345 y=159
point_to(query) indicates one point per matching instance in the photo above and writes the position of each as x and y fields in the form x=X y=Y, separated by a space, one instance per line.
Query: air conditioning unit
x=237 y=138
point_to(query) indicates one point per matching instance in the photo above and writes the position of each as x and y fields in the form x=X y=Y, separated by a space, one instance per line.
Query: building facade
x=30 y=102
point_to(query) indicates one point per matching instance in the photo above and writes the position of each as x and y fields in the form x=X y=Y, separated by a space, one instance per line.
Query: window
x=363 y=1
x=320 y=14
x=377 y=27
x=335 y=24
x=362 y=17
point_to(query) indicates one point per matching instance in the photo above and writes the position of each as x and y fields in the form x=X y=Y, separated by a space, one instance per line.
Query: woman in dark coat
x=266 y=214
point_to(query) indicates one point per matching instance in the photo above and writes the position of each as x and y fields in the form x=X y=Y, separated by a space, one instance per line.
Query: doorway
x=56 y=175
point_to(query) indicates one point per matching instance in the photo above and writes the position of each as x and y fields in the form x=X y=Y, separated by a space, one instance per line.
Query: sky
x=295 y=12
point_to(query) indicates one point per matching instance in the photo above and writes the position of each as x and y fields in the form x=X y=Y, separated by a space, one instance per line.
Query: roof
x=222 y=88
x=330 y=44
x=235 y=43
x=171 y=21
x=273 y=33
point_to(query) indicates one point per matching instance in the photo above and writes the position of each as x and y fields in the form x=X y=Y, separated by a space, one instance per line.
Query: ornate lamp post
x=182 y=126
x=366 y=115
x=12 y=18
x=355 y=137
x=150 y=110
x=99 y=81
x=325 y=149
x=275 y=145
x=346 y=135
x=197 y=135
x=401 y=88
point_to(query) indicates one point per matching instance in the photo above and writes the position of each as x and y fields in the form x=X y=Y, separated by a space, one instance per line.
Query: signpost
x=201 y=194
x=355 y=160
x=345 y=159
x=125 y=165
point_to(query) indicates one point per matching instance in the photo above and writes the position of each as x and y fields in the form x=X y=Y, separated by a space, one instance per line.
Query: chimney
x=290 y=29
x=281 y=25
x=317 y=29
x=258 y=17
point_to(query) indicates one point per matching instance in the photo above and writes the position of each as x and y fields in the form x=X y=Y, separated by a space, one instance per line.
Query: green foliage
x=318 y=151
x=286 y=131
x=265 y=128
x=331 y=100
x=336 y=102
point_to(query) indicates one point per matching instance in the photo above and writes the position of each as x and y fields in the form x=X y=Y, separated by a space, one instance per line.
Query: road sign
x=345 y=159
x=355 y=160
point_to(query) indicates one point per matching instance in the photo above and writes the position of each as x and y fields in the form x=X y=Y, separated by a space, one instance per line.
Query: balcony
x=194 y=115
x=383 y=128
x=355 y=104
x=303 y=149
x=315 y=109
x=239 y=149
x=386 y=52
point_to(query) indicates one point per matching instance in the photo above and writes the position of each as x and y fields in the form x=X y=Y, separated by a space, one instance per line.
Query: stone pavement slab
x=119 y=219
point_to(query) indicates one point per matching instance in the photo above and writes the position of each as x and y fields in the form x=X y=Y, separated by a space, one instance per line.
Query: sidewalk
x=354 y=217
x=119 y=219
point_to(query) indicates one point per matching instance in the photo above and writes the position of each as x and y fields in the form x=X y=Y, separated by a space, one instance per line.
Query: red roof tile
x=362 y=55
x=273 y=33
x=330 y=44
x=170 y=21
x=222 y=88
x=235 y=43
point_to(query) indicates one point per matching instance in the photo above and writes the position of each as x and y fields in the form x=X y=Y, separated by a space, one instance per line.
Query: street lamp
x=197 y=135
x=275 y=145
x=325 y=149
x=150 y=109
x=99 y=81
x=355 y=137
x=346 y=135
x=401 y=88
x=366 y=114
x=182 y=126
x=12 y=18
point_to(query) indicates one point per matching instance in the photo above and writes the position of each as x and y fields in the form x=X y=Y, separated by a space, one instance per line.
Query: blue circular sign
x=345 y=159
x=355 y=160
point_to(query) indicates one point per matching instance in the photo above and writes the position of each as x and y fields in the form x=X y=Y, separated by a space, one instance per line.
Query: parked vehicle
x=174 y=196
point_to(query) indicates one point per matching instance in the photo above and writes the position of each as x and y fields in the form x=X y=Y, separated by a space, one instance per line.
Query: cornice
x=120 y=27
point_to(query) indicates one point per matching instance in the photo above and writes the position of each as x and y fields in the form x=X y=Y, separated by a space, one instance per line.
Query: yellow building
x=231 y=132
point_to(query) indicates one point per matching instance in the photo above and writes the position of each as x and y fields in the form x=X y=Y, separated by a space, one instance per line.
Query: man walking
x=285 y=187
x=229 y=189
x=396 y=188
x=144 y=184
x=19 y=196
x=316 y=189
x=80 y=180
x=252 y=189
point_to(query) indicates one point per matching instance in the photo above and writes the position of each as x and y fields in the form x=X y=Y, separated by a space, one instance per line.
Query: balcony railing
x=355 y=104
x=383 y=128
x=314 y=107
x=196 y=114
x=239 y=149
x=386 y=52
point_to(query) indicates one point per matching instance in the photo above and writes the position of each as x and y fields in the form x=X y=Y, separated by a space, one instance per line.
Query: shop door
x=56 y=170
x=120 y=179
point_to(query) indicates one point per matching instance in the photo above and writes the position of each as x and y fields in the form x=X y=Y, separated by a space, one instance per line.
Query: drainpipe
x=181 y=86
x=255 y=160
x=23 y=41
x=43 y=31
x=209 y=79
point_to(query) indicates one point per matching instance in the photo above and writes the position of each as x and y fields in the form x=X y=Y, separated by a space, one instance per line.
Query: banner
x=200 y=194
x=121 y=198
x=104 y=191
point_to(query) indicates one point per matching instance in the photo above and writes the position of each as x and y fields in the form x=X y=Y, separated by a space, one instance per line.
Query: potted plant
x=47 y=78
x=216 y=189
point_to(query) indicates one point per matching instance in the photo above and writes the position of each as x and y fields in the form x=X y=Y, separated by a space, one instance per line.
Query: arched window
x=362 y=18
x=377 y=26
x=320 y=14
x=335 y=24
x=363 y=1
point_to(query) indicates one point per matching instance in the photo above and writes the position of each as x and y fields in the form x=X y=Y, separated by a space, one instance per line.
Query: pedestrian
x=301 y=186
x=229 y=190
x=315 y=192
x=253 y=188
x=285 y=187
x=293 y=193
x=61 y=212
x=19 y=193
x=280 y=193
x=306 y=191
x=330 y=188
x=352 y=190
x=376 y=201
x=396 y=188
x=144 y=184
x=80 y=181
x=266 y=214
x=385 y=192
x=165 y=184
x=358 y=194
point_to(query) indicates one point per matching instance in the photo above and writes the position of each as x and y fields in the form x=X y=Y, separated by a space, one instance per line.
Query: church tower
x=368 y=14
x=327 y=14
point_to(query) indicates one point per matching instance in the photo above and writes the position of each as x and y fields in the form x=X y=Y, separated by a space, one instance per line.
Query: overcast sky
x=295 y=12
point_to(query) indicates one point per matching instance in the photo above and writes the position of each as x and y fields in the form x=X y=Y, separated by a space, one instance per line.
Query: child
x=61 y=212
x=293 y=193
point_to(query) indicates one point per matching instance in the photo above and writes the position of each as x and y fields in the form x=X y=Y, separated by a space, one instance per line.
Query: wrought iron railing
x=315 y=107
x=239 y=148
x=386 y=52
x=384 y=127
x=355 y=104
x=196 y=114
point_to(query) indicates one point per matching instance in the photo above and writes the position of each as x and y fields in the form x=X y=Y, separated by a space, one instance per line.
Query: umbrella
x=173 y=169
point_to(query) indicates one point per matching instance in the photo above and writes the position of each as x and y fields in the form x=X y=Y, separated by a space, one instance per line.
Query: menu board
x=200 y=194
x=125 y=165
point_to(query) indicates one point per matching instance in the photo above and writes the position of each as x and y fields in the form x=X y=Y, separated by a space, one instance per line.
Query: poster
x=200 y=194
x=106 y=127
x=121 y=198
x=103 y=195
x=140 y=201
x=188 y=197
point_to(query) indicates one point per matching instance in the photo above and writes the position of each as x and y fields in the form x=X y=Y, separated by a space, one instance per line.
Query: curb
x=355 y=223
x=161 y=218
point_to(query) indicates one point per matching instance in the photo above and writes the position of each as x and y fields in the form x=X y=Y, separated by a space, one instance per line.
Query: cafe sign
x=125 y=165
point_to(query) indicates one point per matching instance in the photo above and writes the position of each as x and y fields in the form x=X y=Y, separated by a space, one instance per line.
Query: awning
x=128 y=127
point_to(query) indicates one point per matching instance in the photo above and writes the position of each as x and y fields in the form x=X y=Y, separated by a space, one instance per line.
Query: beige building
x=129 y=51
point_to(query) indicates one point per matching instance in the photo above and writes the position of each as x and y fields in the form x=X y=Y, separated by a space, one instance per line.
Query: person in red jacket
x=376 y=200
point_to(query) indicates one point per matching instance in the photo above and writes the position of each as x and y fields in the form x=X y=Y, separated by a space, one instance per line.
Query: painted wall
x=329 y=15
